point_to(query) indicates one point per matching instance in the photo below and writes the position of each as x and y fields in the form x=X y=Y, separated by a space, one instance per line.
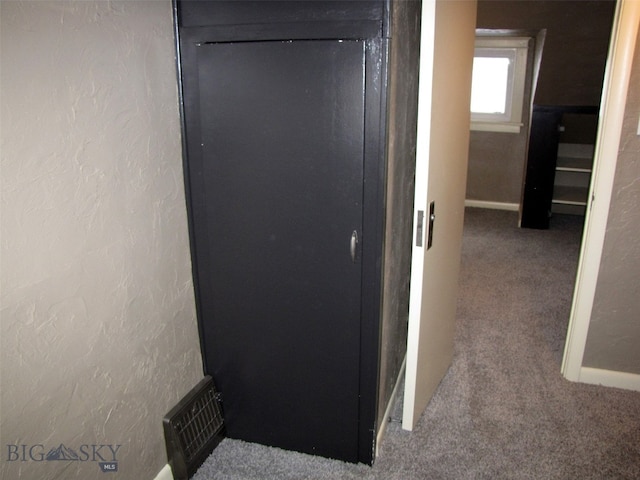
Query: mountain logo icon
x=62 y=453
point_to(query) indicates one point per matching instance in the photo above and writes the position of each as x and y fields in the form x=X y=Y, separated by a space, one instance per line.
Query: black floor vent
x=193 y=428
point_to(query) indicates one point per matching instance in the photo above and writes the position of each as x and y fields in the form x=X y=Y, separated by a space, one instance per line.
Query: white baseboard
x=165 y=473
x=514 y=207
x=387 y=412
x=610 y=378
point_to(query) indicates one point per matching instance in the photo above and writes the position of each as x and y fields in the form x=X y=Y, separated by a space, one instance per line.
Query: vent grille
x=193 y=428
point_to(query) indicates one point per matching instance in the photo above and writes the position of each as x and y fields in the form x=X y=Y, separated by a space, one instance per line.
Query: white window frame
x=516 y=50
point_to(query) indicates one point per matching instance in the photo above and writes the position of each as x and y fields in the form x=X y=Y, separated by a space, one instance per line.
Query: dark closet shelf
x=566 y=195
x=573 y=164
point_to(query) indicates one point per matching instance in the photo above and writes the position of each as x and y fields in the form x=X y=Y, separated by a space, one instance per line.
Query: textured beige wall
x=99 y=332
x=497 y=160
x=614 y=331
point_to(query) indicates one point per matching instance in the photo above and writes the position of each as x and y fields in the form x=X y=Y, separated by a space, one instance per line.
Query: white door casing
x=614 y=94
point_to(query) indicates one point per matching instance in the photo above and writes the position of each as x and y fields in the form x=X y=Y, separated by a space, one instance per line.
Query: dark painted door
x=281 y=192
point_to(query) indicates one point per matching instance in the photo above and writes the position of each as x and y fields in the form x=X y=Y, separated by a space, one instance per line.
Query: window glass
x=489 y=84
x=497 y=91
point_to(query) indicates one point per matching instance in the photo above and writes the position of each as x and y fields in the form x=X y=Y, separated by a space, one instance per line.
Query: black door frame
x=370 y=31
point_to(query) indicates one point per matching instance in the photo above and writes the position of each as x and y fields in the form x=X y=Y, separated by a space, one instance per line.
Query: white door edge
x=425 y=92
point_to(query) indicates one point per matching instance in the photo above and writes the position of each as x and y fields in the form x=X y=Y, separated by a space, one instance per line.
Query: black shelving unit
x=559 y=162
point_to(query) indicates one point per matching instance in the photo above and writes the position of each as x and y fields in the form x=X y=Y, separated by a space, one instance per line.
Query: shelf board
x=576 y=150
x=568 y=209
x=574 y=164
x=570 y=195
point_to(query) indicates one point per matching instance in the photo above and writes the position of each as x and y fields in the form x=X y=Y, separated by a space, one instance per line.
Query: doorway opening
x=569 y=71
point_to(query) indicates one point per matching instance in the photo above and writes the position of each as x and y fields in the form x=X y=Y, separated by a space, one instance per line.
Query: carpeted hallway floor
x=503 y=411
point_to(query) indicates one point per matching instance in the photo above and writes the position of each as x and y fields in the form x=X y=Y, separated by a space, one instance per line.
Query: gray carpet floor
x=503 y=411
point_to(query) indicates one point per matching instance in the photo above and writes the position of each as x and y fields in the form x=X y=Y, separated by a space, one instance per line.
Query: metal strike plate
x=419 y=228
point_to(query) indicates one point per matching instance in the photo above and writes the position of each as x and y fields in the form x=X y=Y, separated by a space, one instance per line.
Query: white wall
x=99 y=332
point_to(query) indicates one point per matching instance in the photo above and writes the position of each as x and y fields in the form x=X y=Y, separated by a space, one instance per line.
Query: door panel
x=446 y=51
x=282 y=149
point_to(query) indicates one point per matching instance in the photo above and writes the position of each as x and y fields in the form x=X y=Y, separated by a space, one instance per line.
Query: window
x=497 y=86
